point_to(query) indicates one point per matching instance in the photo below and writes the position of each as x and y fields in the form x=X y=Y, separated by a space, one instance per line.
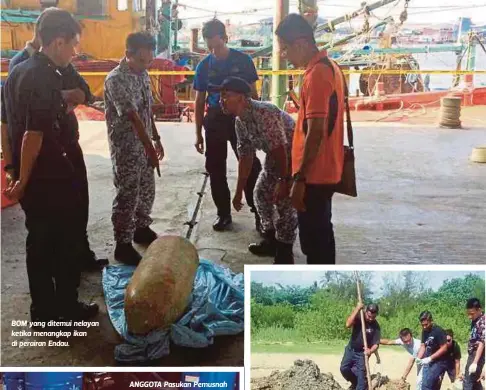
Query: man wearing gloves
x=353 y=367
x=263 y=126
x=432 y=355
x=475 y=348
x=412 y=346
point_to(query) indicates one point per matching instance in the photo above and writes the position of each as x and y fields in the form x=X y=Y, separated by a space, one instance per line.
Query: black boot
x=45 y=316
x=266 y=247
x=222 y=223
x=125 y=253
x=144 y=236
x=89 y=261
x=284 y=253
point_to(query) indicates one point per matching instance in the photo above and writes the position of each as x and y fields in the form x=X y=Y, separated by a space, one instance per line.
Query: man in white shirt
x=412 y=346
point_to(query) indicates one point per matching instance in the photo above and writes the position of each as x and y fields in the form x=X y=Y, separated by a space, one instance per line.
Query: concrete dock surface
x=420 y=201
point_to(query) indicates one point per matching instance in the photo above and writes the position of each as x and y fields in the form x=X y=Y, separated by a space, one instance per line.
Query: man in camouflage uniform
x=129 y=118
x=263 y=126
x=475 y=347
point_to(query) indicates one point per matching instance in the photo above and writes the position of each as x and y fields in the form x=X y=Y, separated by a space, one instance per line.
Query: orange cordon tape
x=299 y=72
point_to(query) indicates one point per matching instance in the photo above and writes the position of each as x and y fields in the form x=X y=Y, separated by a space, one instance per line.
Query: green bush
x=280 y=315
x=319 y=314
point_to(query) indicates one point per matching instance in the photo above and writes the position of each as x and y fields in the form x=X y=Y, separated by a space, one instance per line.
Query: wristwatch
x=284 y=178
x=299 y=177
x=8 y=167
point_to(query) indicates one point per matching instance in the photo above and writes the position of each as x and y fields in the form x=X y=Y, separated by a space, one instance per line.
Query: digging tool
x=363 y=329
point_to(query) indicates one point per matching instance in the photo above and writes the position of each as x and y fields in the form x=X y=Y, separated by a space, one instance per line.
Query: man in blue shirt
x=222 y=62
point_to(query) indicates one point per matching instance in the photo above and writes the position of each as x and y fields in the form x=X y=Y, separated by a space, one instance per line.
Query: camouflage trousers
x=135 y=193
x=280 y=217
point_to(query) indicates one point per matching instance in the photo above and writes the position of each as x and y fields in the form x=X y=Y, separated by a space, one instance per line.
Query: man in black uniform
x=453 y=356
x=44 y=180
x=75 y=91
x=353 y=366
x=433 y=352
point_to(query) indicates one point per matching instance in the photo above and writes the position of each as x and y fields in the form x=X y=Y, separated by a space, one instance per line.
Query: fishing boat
x=105 y=26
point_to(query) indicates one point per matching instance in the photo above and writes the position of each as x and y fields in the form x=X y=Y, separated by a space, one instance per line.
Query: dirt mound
x=392 y=385
x=305 y=374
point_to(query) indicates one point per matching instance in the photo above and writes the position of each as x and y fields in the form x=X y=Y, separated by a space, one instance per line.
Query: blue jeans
x=471 y=381
x=315 y=227
x=353 y=368
x=432 y=375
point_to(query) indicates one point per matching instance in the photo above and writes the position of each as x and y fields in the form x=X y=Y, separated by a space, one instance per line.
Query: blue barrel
x=210 y=377
x=53 y=380
x=14 y=380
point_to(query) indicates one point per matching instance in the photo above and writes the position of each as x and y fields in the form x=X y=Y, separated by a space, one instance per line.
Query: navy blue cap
x=232 y=84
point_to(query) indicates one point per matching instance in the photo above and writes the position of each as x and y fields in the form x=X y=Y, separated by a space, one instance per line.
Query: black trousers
x=75 y=155
x=315 y=227
x=53 y=246
x=353 y=368
x=471 y=380
x=219 y=129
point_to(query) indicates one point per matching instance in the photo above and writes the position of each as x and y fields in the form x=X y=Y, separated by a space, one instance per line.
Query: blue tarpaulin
x=216 y=308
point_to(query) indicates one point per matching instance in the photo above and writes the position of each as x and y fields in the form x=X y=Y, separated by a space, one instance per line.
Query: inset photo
x=119 y=380
x=389 y=330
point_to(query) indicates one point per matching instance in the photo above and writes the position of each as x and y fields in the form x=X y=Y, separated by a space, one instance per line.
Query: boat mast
x=331 y=25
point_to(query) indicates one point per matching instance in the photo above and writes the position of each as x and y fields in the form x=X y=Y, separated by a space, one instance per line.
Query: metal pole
x=471 y=58
x=174 y=23
x=279 y=83
x=266 y=50
x=363 y=329
x=149 y=15
x=329 y=27
x=308 y=9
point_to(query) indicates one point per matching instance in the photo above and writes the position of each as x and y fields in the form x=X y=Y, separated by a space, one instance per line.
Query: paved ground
x=420 y=201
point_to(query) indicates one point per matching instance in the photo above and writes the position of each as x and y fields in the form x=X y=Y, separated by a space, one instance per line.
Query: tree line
x=319 y=312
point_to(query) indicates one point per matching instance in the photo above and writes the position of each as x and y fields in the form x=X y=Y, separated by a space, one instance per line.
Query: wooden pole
x=363 y=329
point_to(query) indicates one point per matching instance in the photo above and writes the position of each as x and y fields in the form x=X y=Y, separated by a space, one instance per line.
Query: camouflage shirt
x=263 y=127
x=477 y=334
x=127 y=91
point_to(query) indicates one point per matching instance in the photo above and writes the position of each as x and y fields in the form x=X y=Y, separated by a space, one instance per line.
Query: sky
x=434 y=279
x=423 y=11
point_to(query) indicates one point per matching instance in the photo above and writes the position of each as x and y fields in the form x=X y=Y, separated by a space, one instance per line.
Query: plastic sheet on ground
x=216 y=308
